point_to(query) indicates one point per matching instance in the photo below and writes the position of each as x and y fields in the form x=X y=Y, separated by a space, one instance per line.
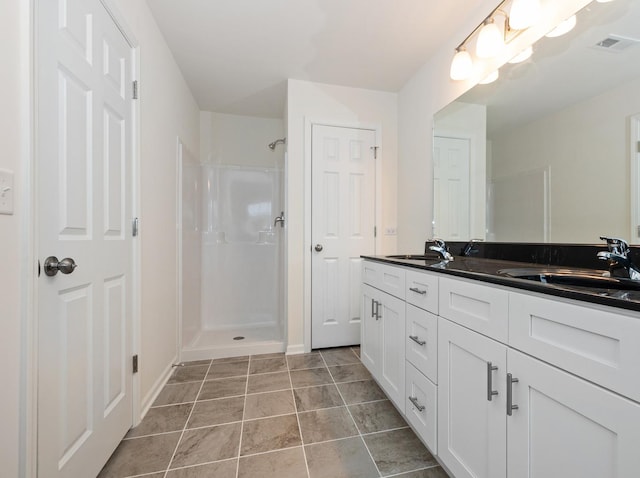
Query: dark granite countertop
x=487 y=270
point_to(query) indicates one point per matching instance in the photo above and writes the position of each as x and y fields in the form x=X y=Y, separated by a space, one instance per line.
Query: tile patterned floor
x=311 y=416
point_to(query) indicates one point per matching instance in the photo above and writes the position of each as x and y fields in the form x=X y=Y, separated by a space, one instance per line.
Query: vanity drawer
x=421 y=343
x=390 y=279
x=421 y=406
x=422 y=290
x=600 y=345
x=481 y=308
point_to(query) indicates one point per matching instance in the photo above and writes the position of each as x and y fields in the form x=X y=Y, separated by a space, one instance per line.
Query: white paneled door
x=342 y=229
x=84 y=163
x=451 y=188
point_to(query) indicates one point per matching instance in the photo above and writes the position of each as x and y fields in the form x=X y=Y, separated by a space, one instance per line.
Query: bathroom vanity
x=503 y=376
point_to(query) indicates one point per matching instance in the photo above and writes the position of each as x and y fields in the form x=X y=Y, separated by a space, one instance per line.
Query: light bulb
x=490 y=78
x=524 y=13
x=490 y=42
x=522 y=56
x=461 y=65
x=564 y=27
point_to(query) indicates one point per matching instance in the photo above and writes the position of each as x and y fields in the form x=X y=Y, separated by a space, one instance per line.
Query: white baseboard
x=150 y=397
x=295 y=349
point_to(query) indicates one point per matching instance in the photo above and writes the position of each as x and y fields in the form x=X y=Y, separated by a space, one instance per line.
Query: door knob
x=52 y=265
x=318 y=247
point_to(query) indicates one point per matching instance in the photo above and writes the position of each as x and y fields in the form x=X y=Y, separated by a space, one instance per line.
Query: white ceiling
x=237 y=54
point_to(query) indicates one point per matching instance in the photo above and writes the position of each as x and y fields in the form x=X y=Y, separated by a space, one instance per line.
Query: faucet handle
x=439 y=242
x=616 y=245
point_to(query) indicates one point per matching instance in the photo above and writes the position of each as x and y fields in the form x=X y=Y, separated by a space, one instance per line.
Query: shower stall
x=239 y=268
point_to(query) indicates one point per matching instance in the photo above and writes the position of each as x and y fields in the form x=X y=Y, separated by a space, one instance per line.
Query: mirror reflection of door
x=451 y=159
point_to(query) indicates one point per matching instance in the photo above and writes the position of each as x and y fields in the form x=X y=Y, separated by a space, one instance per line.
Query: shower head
x=272 y=146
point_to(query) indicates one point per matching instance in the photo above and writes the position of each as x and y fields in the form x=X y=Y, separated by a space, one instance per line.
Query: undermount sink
x=416 y=257
x=571 y=277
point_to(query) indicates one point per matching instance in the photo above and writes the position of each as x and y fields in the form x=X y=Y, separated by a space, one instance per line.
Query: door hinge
x=135 y=226
x=375 y=151
x=135 y=89
x=638 y=146
x=637 y=232
x=375 y=231
x=135 y=363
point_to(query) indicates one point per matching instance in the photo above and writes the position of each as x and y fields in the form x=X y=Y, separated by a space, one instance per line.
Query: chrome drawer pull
x=417 y=291
x=414 y=400
x=510 y=405
x=490 y=391
x=417 y=340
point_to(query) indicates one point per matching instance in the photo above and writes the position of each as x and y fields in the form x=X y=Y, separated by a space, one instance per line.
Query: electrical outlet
x=391 y=231
x=6 y=191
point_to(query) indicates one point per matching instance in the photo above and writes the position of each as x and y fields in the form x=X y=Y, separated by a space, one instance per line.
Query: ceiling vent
x=615 y=43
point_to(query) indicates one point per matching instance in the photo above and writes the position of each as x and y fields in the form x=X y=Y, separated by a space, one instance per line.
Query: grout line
x=295 y=408
x=354 y=423
x=413 y=471
x=186 y=467
x=244 y=411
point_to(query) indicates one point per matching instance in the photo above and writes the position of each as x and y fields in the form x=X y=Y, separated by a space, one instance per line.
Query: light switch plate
x=6 y=191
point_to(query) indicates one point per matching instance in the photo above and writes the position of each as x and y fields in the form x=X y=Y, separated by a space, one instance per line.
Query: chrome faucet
x=617 y=255
x=279 y=219
x=469 y=247
x=441 y=248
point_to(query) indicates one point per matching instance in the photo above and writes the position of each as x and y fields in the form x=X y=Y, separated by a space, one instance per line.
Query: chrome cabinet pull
x=417 y=340
x=378 y=313
x=373 y=314
x=417 y=291
x=510 y=405
x=490 y=391
x=414 y=400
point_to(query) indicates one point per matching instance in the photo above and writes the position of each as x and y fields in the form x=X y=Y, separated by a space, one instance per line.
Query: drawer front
x=422 y=290
x=421 y=406
x=389 y=279
x=479 y=307
x=599 y=345
x=421 y=343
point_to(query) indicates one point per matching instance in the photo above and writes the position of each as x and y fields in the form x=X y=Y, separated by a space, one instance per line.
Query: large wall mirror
x=549 y=151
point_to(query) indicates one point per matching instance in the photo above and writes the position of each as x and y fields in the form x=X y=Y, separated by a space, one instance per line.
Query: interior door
x=451 y=188
x=84 y=160
x=342 y=228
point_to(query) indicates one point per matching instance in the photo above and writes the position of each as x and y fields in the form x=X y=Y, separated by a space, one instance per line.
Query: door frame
x=634 y=168
x=309 y=122
x=29 y=233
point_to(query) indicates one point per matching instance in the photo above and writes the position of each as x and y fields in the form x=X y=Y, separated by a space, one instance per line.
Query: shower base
x=220 y=343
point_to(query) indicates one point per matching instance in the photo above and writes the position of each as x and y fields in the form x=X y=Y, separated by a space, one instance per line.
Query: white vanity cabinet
x=382 y=332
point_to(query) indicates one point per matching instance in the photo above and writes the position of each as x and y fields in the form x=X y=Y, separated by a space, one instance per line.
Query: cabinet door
x=421 y=341
x=471 y=428
x=565 y=426
x=370 y=329
x=392 y=362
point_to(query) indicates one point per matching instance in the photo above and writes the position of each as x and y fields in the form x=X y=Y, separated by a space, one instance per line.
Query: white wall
x=428 y=91
x=347 y=107
x=585 y=146
x=14 y=86
x=167 y=111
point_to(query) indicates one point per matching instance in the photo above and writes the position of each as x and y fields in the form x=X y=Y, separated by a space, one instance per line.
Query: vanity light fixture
x=563 y=28
x=462 y=65
x=490 y=78
x=490 y=40
x=524 y=13
x=522 y=56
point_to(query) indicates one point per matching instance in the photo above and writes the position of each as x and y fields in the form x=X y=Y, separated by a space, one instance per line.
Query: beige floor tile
x=219 y=469
x=342 y=356
x=141 y=455
x=277 y=464
x=346 y=458
x=270 y=365
x=362 y=391
x=178 y=393
x=398 y=451
x=268 y=404
x=433 y=472
x=376 y=416
x=216 y=412
x=311 y=377
x=207 y=444
x=327 y=424
x=188 y=374
x=228 y=369
x=268 y=382
x=349 y=373
x=162 y=419
x=314 y=398
x=269 y=434
x=305 y=361
x=267 y=356
x=226 y=387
